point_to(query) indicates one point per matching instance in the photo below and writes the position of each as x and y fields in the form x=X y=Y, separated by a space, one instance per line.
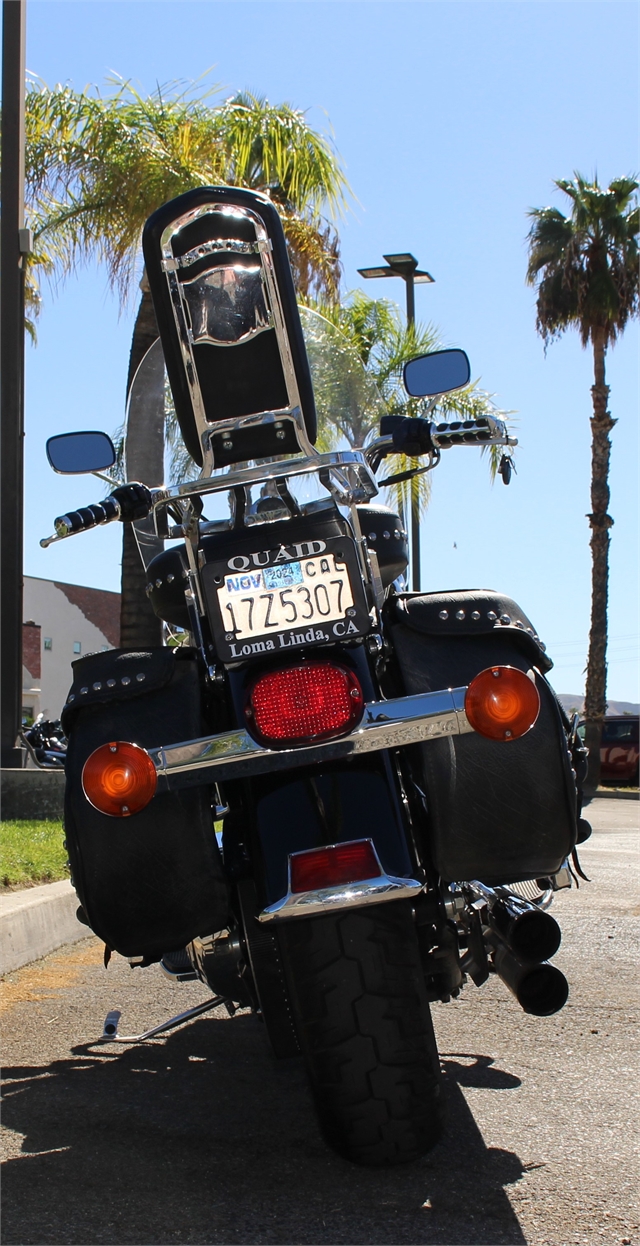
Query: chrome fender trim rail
x=353 y=895
x=385 y=725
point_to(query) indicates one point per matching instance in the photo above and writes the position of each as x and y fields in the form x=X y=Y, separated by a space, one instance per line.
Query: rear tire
x=365 y=1031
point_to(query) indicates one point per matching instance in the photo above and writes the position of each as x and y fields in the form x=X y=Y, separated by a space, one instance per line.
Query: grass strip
x=31 y=852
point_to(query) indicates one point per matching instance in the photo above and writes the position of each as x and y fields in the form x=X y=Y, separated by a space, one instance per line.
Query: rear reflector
x=314 y=701
x=119 y=779
x=502 y=703
x=334 y=867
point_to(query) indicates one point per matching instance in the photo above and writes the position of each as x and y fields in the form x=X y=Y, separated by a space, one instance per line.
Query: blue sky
x=452 y=119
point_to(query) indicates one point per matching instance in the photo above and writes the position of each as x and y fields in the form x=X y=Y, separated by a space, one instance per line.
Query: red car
x=619 y=749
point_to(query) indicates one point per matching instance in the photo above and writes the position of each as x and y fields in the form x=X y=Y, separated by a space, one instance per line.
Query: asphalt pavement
x=202 y=1137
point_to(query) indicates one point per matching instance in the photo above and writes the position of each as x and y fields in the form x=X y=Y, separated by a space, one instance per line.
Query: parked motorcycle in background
x=331 y=800
x=46 y=743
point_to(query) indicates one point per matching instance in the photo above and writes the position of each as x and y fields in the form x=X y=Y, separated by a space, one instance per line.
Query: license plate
x=273 y=600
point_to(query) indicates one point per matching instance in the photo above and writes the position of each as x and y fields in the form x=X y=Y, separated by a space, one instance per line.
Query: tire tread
x=365 y=1030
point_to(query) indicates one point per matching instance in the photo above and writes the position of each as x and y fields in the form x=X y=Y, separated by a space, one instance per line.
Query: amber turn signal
x=502 y=703
x=119 y=779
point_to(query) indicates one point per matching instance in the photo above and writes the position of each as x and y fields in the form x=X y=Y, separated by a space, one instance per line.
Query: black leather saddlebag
x=151 y=882
x=498 y=812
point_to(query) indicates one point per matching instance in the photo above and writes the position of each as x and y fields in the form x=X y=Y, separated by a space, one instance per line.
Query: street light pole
x=405 y=265
x=409 y=283
x=13 y=243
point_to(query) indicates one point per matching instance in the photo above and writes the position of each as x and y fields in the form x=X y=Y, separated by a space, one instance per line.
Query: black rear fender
x=284 y=813
x=317 y=806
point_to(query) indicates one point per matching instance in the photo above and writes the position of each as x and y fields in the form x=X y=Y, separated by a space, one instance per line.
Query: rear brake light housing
x=335 y=866
x=304 y=703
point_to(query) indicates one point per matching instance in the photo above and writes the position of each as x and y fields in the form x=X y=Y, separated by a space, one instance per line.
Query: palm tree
x=97 y=167
x=373 y=331
x=585 y=269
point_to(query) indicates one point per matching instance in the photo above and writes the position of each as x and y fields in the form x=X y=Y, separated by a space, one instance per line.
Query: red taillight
x=333 y=867
x=119 y=779
x=313 y=701
x=502 y=703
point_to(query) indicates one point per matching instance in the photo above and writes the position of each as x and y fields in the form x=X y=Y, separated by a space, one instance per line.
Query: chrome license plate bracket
x=284 y=598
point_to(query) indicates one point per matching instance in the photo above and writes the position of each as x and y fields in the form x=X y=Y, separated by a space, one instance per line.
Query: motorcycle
x=46 y=743
x=330 y=800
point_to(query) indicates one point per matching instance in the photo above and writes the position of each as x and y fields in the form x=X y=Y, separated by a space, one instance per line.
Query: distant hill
x=574 y=704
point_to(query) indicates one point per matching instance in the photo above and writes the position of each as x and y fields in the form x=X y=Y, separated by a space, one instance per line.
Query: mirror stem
x=109 y=480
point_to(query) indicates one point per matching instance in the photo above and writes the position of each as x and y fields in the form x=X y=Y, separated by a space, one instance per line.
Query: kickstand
x=110 y=1031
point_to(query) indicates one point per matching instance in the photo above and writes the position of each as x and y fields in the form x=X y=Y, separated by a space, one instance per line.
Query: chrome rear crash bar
x=384 y=725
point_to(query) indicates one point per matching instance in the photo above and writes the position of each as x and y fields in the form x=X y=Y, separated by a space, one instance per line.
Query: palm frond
x=98 y=166
x=357 y=351
x=585 y=266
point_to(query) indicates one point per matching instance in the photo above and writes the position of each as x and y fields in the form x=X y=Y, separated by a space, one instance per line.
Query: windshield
x=348 y=404
x=144 y=439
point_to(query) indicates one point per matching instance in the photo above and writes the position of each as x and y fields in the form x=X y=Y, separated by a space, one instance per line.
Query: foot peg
x=110 y=1029
x=178 y=967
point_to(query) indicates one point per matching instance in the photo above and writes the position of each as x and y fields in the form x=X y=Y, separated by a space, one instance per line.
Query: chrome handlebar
x=348 y=474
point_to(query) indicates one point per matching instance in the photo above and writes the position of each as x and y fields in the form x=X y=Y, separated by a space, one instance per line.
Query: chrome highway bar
x=385 y=724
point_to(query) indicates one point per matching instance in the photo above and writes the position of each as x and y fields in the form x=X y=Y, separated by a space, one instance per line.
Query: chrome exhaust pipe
x=540 y=989
x=528 y=931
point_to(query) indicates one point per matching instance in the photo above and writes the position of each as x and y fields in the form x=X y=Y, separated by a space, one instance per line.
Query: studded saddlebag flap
x=151 y=882
x=499 y=812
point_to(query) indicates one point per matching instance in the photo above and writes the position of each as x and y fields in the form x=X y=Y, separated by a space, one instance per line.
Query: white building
x=61 y=623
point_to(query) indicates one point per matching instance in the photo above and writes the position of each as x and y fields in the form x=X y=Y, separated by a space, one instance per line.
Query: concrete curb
x=36 y=921
x=617 y=794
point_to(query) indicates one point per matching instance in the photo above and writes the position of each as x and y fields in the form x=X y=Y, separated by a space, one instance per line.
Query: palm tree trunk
x=600 y=521
x=139 y=626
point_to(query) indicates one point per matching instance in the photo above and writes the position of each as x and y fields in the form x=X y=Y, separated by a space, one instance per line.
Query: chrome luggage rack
x=345 y=473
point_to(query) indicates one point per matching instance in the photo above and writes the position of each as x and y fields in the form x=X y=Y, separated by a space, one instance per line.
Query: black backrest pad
x=239 y=379
x=150 y=882
x=499 y=812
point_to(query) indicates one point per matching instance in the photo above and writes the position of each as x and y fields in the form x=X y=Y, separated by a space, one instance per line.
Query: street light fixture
x=402 y=265
x=405 y=265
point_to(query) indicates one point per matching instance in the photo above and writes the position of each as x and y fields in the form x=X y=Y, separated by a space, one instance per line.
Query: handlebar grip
x=484 y=431
x=127 y=502
x=87 y=517
x=411 y=435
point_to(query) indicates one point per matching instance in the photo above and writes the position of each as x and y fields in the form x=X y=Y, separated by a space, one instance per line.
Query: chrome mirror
x=437 y=373
x=73 y=453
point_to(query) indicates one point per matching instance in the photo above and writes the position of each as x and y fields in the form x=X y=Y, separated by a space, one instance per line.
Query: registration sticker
x=283 y=576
